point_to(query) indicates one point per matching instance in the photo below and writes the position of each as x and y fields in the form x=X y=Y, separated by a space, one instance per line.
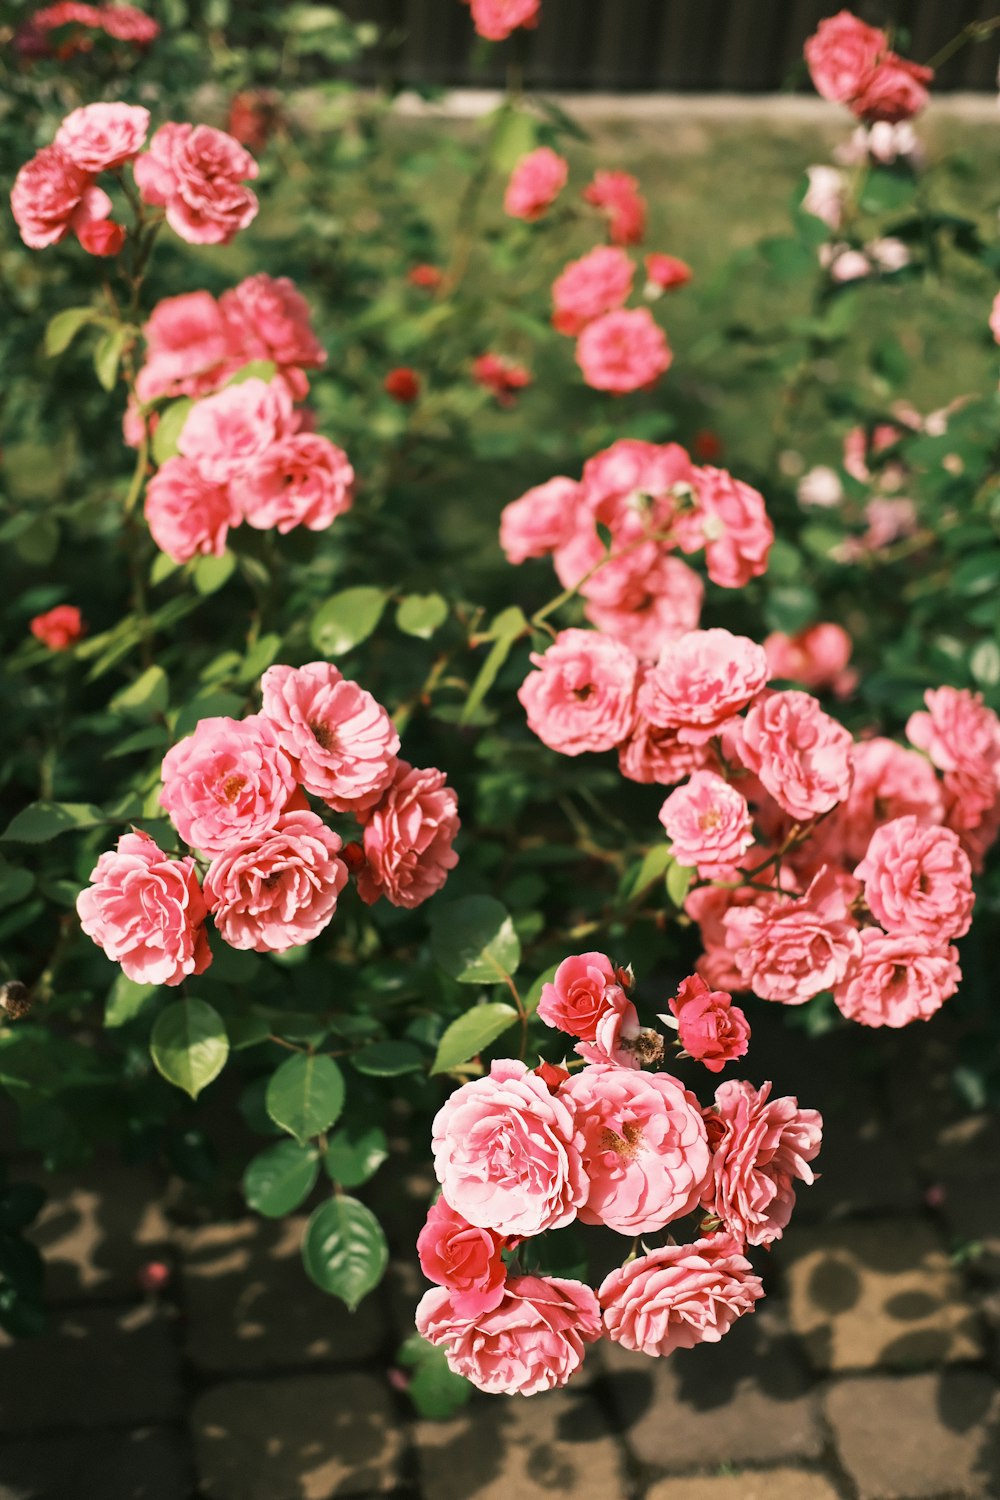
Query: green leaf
x=346 y=619
x=421 y=614
x=108 y=353
x=434 y=1388
x=474 y=940
x=15 y=884
x=388 y=1059
x=508 y=626
x=344 y=1250
x=886 y=192
x=146 y=698
x=41 y=821
x=679 y=878
x=515 y=134
x=257 y=369
x=354 y=1153
x=655 y=864
x=168 y=431
x=306 y=1095
x=64 y=327
x=280 y=1178
x=189 y=1045
x=125 y=1000
x=533 y=996
x=471 y=1033
x=210 y=573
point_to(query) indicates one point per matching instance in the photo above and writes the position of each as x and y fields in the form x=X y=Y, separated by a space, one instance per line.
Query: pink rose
x=597 y=283
x=729 y=520
x=701 y=681
x=644 y=1147
x=889 y=782
x=618 y=1037
x=98 y=137
x=51 y=196
x=577 y=997
x=679 y=1296
x=101 y=237
x=817 y=658
x=894 y=90
x=268 y=318
x=708 y=823
x=582 y=698
x=670 y=608
x=759 y=1148
x=466 y=1260
x=343 y=742
x=897 y=979
x=187 y=347
x=535 y=183
x=665 y=273
x=617 y=195
x=496 y=19
x=656 y=756
x=995 y=318
x=533 y=1341
x=841 y=55
x=540 y=521
x=58 y=628
x=790 y=949
x=127 y=23
x=280 y=889
x=708 y=905
x=196 y=172
x=187 y=514
x=224 y=434
x=227 y=783
x=147 y=912
x=623 y=351
x=710 y=1027
x=302 y=480
x=633 y=479
x=918 y=880
x=801 y=756
x=962 y=738
x=507 y=1153
x=408 y=838
x=825 y=194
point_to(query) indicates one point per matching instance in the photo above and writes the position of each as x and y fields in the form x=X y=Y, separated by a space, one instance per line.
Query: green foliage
x=344 y=1250
x=471 y=1034
x=306 y=1095
x=474 y=940
x=280 y=1178
x=189 y=1045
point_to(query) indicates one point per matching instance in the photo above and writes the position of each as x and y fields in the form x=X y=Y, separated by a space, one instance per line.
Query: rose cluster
x=195 y=173
x=852 y=63
x=236 y=791
x=618 y=1143
x=652 y=502
x=70 y=27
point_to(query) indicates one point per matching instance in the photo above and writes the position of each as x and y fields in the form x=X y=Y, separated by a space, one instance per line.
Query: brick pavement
x=870 y=1373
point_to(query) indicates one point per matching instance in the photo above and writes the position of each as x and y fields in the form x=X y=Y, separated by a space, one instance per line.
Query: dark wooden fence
x=658 y=44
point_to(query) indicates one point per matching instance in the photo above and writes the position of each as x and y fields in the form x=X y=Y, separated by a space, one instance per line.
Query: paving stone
x=148 y=1464
x=554 y=1445
x=919 y=1435
x=93 y=1367
x=297 y=1437
x=250 y=1305
x=877 y=1294
x=97 y=1231
x=763 y=1484
x=746 y=1400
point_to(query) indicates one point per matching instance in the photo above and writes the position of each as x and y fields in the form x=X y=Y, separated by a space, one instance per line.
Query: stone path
x=870 y=1373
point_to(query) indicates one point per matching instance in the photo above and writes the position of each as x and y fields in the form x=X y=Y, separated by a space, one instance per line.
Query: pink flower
x=817 y=657
x=623 y=351
x=187 y=514
x=496 y=19
x=98 y=137
x=711 y=1028
x=633 y=480
x=466 y=1260
x=597 y=283
x=533 y=1341
x=801 y=756
x=268 y=318
x=701 y=681
x=708 y=905
x=343 y=741
x=962 y=738
x=507 y=1153
x=58 y=628
x=708 y=823
x=679 y=1296
x=224 y=434
x=821 y=486
x=995 y=318
x=101 y=237
x=501 y=376
x=841 y=55
x=51 y=196
x=127 y=23
x=894 y=90
x=824 y=197
x=147 y=912
x=671 y=607
x=918 y=880
x=652 y=755
x=408 y=838
x=618 y=1037
x=897 y=979
x=540 y=521
x=889 y=782
x=188 y=347
x=665 y=273
x=577 y=997
x=197 y=173
x=227 y=783
x=535 y=183
x=644 y=1147
x=302 y=480
x=582 y=698
x=790 y=949
x=617 y=195
x=759 y=1149
x=731 y=523
x=279 y=890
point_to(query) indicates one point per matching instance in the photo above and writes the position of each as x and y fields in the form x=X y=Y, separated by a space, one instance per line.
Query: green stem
x=976 y=31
